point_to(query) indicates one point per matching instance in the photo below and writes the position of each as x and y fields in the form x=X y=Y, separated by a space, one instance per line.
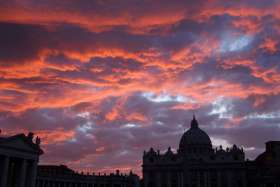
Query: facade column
x=229 y=178
x=198 y=178
x=182 y=179
x=22 y=174
x=33 y=174
x=146 y=179
x=179 y=179
x=205 y=178
x=5 y=172
x=42 y=183
x=219 y=178
x=168 y=179
x=158 y=181
x=181 y=176
x=187 y=178
x=244 y=181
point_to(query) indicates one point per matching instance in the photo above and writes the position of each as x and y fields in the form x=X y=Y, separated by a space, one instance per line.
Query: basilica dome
x=195 y=140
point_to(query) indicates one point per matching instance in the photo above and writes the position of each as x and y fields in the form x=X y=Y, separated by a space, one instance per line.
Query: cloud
x=101 y=82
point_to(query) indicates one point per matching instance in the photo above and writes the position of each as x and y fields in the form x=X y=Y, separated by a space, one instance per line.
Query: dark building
x=265 y=170
x=19 y=156
x=197 y=164
x=62 y=176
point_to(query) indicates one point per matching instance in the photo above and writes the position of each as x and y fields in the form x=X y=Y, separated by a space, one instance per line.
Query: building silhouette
x=197 y=164
x=265 y=170
x=19 y=156
x=62 y=176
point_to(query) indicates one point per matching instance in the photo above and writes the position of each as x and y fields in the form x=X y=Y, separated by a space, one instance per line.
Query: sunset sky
x=100 y=81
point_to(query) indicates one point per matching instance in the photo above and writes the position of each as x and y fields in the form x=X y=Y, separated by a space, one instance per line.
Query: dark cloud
x=20 y=43
x=40 y=119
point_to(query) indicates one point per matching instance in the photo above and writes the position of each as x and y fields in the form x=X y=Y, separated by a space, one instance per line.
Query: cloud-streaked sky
x=100 y=81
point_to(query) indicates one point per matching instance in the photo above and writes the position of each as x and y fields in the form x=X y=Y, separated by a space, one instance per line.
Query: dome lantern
x=194 y=123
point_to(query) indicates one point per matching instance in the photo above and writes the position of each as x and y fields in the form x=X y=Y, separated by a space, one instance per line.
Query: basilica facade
x=197 y=164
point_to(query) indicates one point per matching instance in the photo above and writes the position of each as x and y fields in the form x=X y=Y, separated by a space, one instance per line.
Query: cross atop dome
x=194 y=123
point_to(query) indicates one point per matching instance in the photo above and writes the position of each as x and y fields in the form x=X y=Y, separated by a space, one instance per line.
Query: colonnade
x=69 y=183
x=17 y=172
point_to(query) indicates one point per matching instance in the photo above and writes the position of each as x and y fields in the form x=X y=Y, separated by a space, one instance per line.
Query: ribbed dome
x=195 y=140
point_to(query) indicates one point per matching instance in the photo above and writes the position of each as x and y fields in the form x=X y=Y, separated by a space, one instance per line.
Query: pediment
x=18 y=144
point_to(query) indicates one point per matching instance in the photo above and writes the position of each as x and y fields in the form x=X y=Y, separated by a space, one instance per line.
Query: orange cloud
x=269 y=45
x=270 y=75
x=55 y=136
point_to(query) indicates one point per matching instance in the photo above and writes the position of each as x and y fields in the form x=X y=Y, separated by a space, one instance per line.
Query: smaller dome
x=195 y=140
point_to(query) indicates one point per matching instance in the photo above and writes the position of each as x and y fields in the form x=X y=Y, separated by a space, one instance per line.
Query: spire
x=194 y=123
